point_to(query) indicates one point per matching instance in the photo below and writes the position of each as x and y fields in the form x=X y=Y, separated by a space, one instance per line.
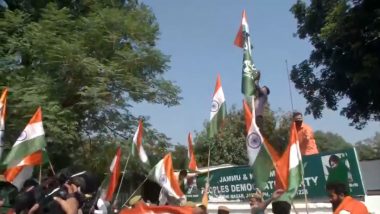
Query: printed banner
x=237 y=183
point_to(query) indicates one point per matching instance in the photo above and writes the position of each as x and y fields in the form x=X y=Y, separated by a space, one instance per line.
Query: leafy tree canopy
x=369 y=149
x=229 y=146
x=85 y=62
x=345 y=61
x=328 y=141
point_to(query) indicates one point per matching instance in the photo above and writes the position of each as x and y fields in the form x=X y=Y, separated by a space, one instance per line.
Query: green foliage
x=85 y=62
x=369 y=149
x=229 y=146
x=328 y=142
x=345 y=60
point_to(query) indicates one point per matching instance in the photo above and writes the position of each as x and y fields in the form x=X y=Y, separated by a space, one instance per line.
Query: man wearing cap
x=305 y=136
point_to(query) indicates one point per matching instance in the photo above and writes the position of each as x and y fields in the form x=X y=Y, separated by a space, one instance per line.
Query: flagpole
x=122 y=179
x=51 y=167
x=146 y=178
x=302 y=177
x=40 y=175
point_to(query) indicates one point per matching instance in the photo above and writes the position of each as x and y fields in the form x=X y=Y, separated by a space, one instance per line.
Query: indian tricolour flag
x=23 y=170
x=137 y=143
x=218 y=109
x=190 y=154
x=3 y=108
x=249 y=73
x=113 y=176
x=26 y=152
x=289 y=167
x=163 y=174
x=31 y=140
x=260 y=153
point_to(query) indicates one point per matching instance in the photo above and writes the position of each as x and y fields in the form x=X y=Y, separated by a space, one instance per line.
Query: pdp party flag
x=31 y=140
x=249 y=73
x=23 y=170
x=260 y=153
x=137 y=143
x=218 y=109
x=190 y=154
x=3 y=108
x=114 y=175
x=289 y=167
x=163 y=174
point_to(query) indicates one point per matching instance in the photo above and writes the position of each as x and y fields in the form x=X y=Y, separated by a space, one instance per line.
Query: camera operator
x=69 y=206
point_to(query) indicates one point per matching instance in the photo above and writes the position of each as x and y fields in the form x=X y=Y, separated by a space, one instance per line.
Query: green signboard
x=237 y=183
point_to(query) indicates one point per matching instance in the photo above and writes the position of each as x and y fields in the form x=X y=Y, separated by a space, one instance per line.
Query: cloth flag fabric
x=289 y=169
x=142 y=208
x=261 y=154
x=28 y=151
x=249 y=73
x=31 y=140
x=254 y=137
x=3 y=109
x=114 y=175
x=190 y=154
x=163 y=174
x=218 y=109
x=137 y=143
x=23 y=170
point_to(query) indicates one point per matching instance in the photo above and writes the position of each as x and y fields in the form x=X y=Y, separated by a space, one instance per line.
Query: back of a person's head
x=338 y=188
x=223 y=210
x=281 y=207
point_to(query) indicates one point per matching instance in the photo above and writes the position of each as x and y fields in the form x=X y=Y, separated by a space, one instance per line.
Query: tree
x=328 y=142
x=229 y=146
x=85 y=63
x=345 y=61
x=369 y=149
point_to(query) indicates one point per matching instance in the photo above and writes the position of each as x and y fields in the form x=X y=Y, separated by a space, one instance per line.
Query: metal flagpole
x=146 y=178
x=122 y=178
x=291 y=101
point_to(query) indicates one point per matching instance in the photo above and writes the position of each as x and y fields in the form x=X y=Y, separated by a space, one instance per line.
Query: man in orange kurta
x=305 y=136
x=342 y=202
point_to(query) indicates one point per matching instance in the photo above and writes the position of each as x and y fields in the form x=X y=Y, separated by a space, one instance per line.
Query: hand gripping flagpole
x=302 y=171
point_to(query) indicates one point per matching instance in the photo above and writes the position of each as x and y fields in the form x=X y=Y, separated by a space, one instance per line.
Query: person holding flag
x=163 y=174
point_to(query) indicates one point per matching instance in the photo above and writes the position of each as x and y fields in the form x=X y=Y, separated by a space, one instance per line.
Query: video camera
x=43 y=194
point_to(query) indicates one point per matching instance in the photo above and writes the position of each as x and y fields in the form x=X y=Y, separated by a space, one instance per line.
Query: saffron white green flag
x=260 y=152
x=163 y=174
x=3 y=109
x=291 y=166
x=218 y=109
x=31 y=140
x=137 y=143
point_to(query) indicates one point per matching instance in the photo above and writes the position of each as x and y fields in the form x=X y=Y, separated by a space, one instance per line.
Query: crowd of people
x=80 y=193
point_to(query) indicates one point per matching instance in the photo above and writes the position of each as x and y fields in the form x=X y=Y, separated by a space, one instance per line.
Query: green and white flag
x=249 y=74
x=218 y=109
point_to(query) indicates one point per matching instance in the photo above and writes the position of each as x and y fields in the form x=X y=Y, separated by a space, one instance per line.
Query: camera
x=52 y=187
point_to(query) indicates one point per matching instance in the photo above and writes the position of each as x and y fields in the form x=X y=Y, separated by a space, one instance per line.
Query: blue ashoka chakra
x=162 y=179
x=22 y=137
x=254 y=140
x=214 y=106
